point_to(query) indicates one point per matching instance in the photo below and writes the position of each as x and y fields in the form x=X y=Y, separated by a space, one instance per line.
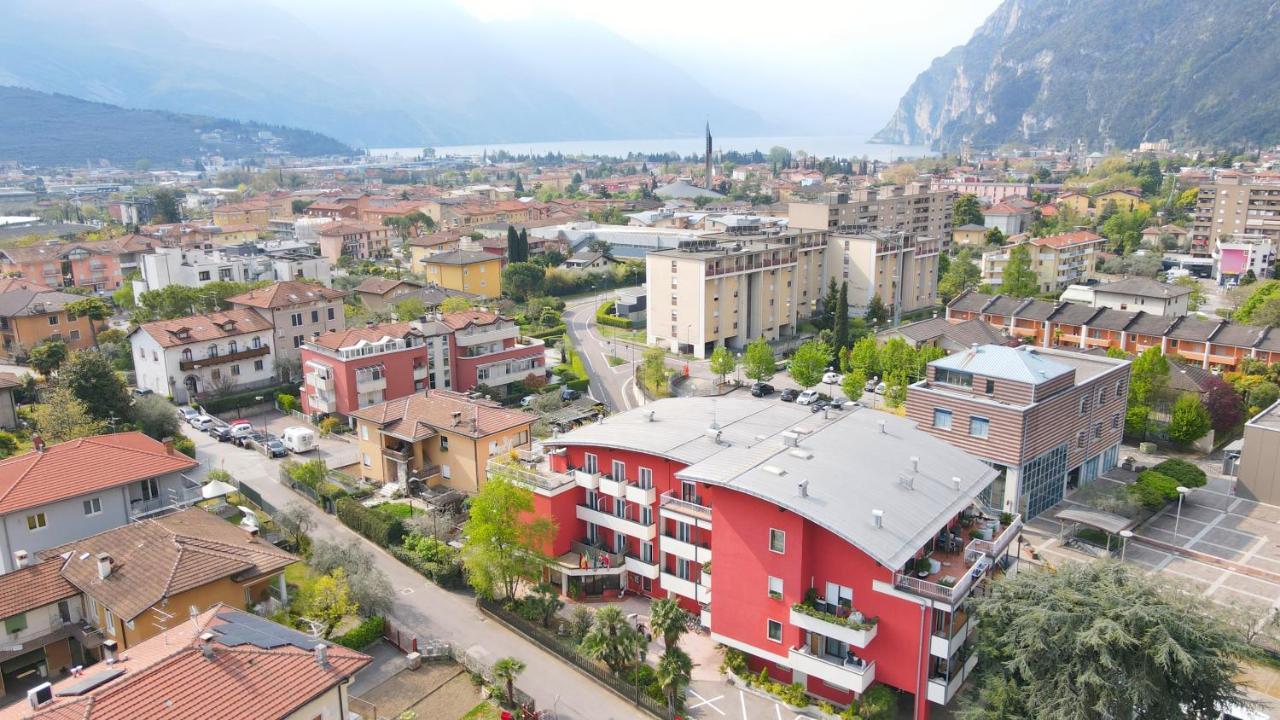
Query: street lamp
x=1182 y=492
x=1124 y=538
x=831 y=393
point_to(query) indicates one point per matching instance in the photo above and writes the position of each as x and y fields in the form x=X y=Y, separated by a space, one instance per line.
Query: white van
x=299 y=439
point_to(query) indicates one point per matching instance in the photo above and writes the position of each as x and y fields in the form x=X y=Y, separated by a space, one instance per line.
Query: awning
x=1104 y=521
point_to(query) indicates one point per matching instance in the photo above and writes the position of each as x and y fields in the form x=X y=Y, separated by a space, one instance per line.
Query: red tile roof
x=463 y=318
x=202 y=328
x=82 y=466
x=34 y=586
x=10 y=284
x=351 y=336
x=167 y=677
x=285 y=293
x=418 y=416
x=1076 y=237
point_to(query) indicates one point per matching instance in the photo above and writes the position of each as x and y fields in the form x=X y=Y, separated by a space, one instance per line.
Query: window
x=36 y=522
x=942 y=419
x=204 y=276
x=589 y=463
x=295 y=319
x=364 y=432
x=646 y=552
x=257 y=365
x=991 y=387
x=1119 y=388
x=646 y=515
x=775 y=588
x=619 y=471
x=298 y=340
x=93 y=506
x=444 y=443
x=15 y=624
x=774 y=631
x=1102 y=395
x=75 y=334
x=1115 y=421
x=364 y=460
x=1097 y=430
x=777 y=541
x=620 y=508
x=235 y=369
x=1080 y=439
x=109 y=624
x=953 y=377
x=1084 y=405
x=978 y=426
x=332 y=314
x=646 y=478
x=315 y=316
x=53 y=319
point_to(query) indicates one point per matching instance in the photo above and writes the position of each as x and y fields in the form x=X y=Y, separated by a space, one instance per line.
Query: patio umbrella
x=216 y=488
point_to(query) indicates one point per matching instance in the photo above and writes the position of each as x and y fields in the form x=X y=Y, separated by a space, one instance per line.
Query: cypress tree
x=840 y=333
x=513 y=245
x=524 y=245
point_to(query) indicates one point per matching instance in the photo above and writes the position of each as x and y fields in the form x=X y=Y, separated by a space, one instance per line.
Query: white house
x=204 y=354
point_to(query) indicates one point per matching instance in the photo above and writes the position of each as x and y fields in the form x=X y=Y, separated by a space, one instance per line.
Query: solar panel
x=90 y=682
x=245 y=629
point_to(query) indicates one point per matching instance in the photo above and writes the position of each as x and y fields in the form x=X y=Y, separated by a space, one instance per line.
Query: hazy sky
x=823 y=65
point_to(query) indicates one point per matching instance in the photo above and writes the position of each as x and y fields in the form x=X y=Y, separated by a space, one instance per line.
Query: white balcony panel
x=617 y=524
x=679 y=586
x=849 y=677
x=942 y=691
x=642 y=568
x=644 y=496
x=612 y=488
x=944 y=647
x=858 y=638
x=590 y=481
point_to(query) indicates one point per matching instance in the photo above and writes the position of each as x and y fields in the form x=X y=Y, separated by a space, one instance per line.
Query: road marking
x=406 y=591
x=778 y=710
x=704 y=701
x=742 y=698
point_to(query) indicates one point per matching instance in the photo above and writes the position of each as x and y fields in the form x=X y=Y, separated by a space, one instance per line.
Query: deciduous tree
x=521 y=280
x=809 y=362
x=328 y=600
x=90 y=375
x=62 y=416
x=1189 y=420
x=1019 y=279
x=723 y=363
x=504 y=540
x=94 y=308
x=966 y=211
x=759 y=363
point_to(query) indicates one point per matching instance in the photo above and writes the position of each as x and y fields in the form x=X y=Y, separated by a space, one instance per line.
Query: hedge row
x=224 y=403
x=378 y=527
x=554 y=331
x=579 y=385
x=605 y=316
x=446 y=575
x=363 y=635
x=1187 y=474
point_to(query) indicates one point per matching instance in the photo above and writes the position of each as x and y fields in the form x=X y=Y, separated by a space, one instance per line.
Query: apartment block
x=487 y=349
x=29 y=316
x=1057 y=260
x=345 y=370
x=1235 y=204
x=726 y=289
x=1047 y=420
x=901 y=270
x=825 y=578
x=297 y=310
x=912 y=209
x=186 y=358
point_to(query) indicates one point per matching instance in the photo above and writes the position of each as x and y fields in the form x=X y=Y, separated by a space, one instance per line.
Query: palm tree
x=506 y=670
x=612 y=640
x=669 y=620
x=674 y=671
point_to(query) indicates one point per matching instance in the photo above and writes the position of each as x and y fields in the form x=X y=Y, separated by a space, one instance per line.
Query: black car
x=221 y=432
x=818 y=406
x=761 y=389
x=248 y=441
x=788 y=395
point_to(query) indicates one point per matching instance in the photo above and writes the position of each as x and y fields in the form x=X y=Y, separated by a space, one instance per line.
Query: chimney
x=38 y=442
x=803 y=487
x=651 y=414
x=877 y=517
x=322 y=655
x=104 y=565
x=206 y=645
x=956 y=482
x=315 y=335
x=457 y=417
x=168 y=445
x=109 y=651
x=20 y=559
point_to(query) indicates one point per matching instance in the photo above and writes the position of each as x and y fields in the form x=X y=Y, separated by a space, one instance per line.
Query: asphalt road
x=612 y=385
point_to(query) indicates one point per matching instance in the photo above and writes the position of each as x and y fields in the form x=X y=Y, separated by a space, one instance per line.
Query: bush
x=554 y=331
x=579 y=385
x=287 y=403
x=446 y=572
x=185 y=445
x=605 y=316
x=381 y=529
x=735 y=661
x=794 y=695
x=1154 y=489
x=1187 y=474
x=402 y=511
x=224 y=403
x=363 y=635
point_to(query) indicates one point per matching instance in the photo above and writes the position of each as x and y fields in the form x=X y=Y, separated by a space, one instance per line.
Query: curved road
x=613 y=385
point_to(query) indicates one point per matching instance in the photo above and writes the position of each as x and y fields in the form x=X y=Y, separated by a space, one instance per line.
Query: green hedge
x=579 y=385
x=232 y=402
x=605 y=316
x=444 y=574
x=362 y=635
x=1187 y=474
x=1154 y=489
x=553 y=331
x=378 y=527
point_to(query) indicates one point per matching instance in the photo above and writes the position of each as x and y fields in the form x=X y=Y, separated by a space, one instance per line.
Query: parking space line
x=704 y=701
x=742 y=698
x=776 y=707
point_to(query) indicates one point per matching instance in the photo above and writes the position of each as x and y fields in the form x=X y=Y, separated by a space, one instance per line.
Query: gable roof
x=203 y=328
x=1144 y=287
x=82 y=466
x=159 y=558
x=9 y=284
x=32 y=587
x=1067 y=239
x=459 y=257
x=252 y=676
x=286 y=293
x=55 y=251
x=418 y=416
x=463 y=318
x=965 y=334
x=375 y=285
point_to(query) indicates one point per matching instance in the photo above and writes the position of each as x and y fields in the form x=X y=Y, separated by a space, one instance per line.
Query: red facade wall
x=399 y=373
x=464 y=368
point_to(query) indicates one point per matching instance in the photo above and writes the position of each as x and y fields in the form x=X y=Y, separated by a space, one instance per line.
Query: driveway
x=428 y=610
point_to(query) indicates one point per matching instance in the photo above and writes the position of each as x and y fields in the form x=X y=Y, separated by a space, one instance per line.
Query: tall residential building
x=1057 y=260
x=1235 y=204
x=726 y=289
x=298 y=310
x=911 y=209
x=901 y=270
x=1048 y=420
x=832 y=579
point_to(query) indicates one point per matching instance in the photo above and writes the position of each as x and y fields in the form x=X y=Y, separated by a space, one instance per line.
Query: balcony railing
x=979 y=559
x=669 y=501
x=534 y=477
x=401 y=453
x=223 y=359
x=169 y=499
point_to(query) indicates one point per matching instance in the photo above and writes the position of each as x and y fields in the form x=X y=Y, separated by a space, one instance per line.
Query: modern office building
x=1048 y=420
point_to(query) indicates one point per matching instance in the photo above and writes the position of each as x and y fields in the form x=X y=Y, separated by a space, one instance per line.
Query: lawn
x=399 y=510
x=634 y=336
x=483 y=711
x=614 y=360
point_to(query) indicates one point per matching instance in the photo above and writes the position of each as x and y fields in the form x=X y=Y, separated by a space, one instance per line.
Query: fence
x=561 y=646
x=256 y=498
x=405 y=641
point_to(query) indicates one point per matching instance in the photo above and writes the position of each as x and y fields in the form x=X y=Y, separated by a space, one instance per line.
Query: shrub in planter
x=1187 y=474
x=794 y=695
x=1154 y=489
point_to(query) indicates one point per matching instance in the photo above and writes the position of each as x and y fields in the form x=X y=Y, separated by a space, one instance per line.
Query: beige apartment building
x=1235 y=204
x=297 y=310
x=902 y=270
x=912 y=209
x=730 y=288
x=1058 y=260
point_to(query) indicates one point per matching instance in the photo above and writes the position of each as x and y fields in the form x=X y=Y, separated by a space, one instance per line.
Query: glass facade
x=1043 y=481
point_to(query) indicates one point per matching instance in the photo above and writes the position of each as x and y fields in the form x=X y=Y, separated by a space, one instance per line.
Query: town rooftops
x=971 y=227
x=464 y=318
x=964 y=333
x=374 y=285
x=258 y=670
x=158 y=558
x=459 y=257
x=18 y=303
x=286 y=293
x=1068 y=239
x=1142 y=287
x=82 y=466
x=1003 y=209
x=34 y=586
x=56 y=252
x=918 y=482
x=346 y=227
x=10 y=284
x=368 y=334
x=203 y=328
x=418 y=416
x=1022 y=364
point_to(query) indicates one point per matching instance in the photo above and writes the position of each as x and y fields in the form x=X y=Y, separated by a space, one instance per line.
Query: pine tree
x=519 y=185
x=524 y=245
x=877 y=313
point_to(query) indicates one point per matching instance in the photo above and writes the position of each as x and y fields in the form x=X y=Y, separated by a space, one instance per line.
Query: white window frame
x=943 y=413
x=768 y=630
x=37 y=522
x=92 y=506
x=775 y=587
x=780 y=534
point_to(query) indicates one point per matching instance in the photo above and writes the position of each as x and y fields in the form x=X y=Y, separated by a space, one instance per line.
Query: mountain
x=381 y=74
x=39 y=128
x=1056 y=71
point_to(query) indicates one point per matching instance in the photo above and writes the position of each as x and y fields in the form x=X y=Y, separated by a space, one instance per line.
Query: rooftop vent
x=956 y=482
x=322 y=654
x=790 y=439
x=20 y=559
x=104 y=565
x=803 y=488
x=774 y=470
x=877 y=517
x=651 y=415
x=915 y=464
x=800 y=453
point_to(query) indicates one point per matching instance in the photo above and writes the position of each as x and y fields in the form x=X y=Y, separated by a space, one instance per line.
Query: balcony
x=586 y=560
x=952 y=582
x=671 y=506
x=588 y=480
x=642 y=495
x=699 y=553
x=536 y=476
x=685 y=588
x=170 y=498
x=612 y=488
x=852 y=675
x=944 y=645
x=642 y=568
x=617 y=524
x=467 y=339
x=321 y=403
x=320 y=382
x=420 y=372
x=370 y=383
x=402 y=452
x=943 y=689
x=858 y=633
x=223 y=359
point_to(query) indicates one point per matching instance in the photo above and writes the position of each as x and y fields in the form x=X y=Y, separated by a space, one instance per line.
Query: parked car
x=270 y=446
x=250 y=440
x=808 y=397
x=242 y=434
x=142 y=392
x=221 y=433
x=187 y=413
x=527 y=400
x=761 y=389
x=832 y=378
x=299 y=439
x=881 y=388
x=819 y=405
x=202 y=422
x=568 y=394
x=788 y=395
x=870 y=385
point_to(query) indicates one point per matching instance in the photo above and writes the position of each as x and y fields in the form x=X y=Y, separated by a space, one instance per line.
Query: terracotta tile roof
x=436 y=239
x=55 y=252
x=1003 y=209
x=167 y=677
x=9 y=284
x=382 y=285
x=339 y=339
x=134 y=242
x=158 y=558
x=34 y=586
x=9 y=380
x=1075 y=237
x=418 y=416
x=464 y=318
x=82 y=466
x=203 y=328
x=285 y=293
x=348 y=228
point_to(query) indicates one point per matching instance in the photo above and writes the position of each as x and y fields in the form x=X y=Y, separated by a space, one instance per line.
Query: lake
x=842 y=146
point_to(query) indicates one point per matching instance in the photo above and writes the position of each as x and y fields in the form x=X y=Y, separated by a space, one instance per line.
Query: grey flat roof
x=852 y=468
x=1023 y=364
x=1268 y=419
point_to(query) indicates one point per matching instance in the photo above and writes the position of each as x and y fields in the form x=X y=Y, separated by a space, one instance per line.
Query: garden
x=879 y=702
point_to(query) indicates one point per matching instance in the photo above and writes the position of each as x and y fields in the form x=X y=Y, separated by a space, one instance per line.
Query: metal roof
x=1022 y=364
x=850 y=468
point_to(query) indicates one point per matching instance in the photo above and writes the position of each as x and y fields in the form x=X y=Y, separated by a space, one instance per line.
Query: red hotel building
x=844 y=548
